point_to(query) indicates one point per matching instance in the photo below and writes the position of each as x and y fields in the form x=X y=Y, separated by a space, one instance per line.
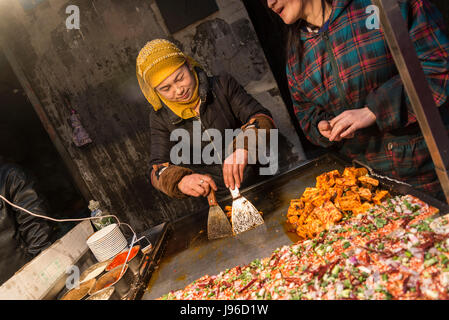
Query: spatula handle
x=235 y=193
x=211 y=198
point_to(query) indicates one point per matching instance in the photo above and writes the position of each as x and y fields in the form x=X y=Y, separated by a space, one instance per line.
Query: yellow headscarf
x=155 y=62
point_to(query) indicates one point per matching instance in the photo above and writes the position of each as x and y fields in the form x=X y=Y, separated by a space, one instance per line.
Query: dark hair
x=293 y=39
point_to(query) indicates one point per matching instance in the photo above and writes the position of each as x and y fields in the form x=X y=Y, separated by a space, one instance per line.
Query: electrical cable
x=133 y=240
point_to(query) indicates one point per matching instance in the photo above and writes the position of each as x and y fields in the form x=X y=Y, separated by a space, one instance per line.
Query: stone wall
x=93 y=68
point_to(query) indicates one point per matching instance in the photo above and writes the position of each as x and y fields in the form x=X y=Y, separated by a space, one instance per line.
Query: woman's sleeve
x=432 y=48
x=251 y=114
x=164 y=175
x=309 y=114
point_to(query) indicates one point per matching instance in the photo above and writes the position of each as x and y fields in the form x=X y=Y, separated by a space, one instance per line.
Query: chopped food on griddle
x=396 y=250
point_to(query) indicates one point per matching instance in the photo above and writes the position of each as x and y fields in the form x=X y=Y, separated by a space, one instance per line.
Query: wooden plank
x=417 y=88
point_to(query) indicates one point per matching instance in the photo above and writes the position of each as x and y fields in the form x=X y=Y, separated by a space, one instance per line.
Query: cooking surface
x=190 y=255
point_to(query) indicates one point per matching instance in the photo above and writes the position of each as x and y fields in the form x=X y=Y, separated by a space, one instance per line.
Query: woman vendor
x=184 y=97
x=346 y=89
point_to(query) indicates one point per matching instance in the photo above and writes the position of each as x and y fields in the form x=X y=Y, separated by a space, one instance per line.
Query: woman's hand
x=348 y=122
x=233 y=168
x=325 y=128
x=196 y=185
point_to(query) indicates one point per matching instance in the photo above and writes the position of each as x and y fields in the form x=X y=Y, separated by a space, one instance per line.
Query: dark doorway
x=24 y=141
x=271 y=32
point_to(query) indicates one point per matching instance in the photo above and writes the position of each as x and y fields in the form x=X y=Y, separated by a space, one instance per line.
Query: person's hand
x=233 y=168
x=196 y=185
x=348 y=122
x=325 y=128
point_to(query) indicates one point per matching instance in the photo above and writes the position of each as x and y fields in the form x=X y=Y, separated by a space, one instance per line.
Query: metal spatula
x=245 y=216
x=218 y=225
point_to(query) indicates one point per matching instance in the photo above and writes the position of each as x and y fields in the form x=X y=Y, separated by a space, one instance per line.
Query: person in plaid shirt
x=346 y=89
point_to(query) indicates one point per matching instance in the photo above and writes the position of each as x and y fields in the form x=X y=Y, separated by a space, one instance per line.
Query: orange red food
x=121 y=257
x=334 y=197
x=396 y=250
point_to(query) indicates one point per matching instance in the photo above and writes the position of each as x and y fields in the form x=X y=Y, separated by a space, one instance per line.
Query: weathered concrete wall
x=24 y=141
x=94 y=68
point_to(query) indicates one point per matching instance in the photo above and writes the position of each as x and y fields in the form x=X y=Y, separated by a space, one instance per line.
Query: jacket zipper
x=334 y=67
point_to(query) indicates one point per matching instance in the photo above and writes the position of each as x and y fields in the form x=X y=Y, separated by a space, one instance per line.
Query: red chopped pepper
x=120 y=258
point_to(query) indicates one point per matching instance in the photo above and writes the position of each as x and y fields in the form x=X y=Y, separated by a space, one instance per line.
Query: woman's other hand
x=233 y=168
x=348 y=122
x=325 y=128
x=196 y=185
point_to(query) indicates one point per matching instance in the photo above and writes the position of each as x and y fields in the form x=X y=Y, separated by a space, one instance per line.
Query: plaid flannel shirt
x=349 y=66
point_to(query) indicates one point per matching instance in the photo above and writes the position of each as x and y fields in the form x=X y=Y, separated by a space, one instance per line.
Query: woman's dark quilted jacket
x=224 y=105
